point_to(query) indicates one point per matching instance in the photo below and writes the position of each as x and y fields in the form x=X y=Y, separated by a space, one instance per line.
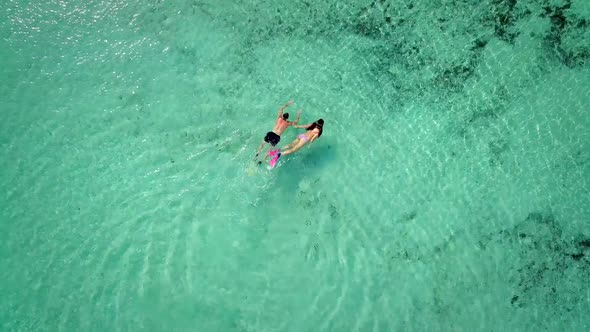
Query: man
x=274 y=137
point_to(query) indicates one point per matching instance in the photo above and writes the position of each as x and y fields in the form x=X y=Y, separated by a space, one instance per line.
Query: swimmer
x=313 y=131
x=274 y=137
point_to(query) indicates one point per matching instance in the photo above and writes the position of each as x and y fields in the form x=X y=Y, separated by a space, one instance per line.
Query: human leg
x=270 y=151
x=298 y=146
x=288 y=146
x=272 y=138
x=259 y=149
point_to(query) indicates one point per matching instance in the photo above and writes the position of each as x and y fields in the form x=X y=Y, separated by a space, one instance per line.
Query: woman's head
x=319 y=124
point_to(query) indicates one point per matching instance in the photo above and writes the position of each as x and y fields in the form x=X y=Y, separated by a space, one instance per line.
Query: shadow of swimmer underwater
x=312 y=132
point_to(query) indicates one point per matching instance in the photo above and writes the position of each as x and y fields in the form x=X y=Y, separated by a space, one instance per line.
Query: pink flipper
x=272 y=153
x=274 y=160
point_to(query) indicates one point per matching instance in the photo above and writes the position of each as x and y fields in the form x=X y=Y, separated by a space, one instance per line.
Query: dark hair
x=285 y=116
x=318 y=124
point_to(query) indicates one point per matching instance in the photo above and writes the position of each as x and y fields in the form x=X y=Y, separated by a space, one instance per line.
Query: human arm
x=304 y=126
x=289 y=103
x=313 y=138
x=294 y=123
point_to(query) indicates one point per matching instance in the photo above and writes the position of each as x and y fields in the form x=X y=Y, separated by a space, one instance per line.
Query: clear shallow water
x=448 y=192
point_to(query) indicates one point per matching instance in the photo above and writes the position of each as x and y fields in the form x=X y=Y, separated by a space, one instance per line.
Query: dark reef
x=548 y=262
x=566 y=24
x=503 y=18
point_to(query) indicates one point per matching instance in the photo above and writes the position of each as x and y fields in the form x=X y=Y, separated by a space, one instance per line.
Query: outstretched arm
x=304 y=126
x=289 y=103
x=294 y=123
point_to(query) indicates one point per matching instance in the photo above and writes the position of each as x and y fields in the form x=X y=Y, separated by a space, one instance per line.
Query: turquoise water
x=449 y=191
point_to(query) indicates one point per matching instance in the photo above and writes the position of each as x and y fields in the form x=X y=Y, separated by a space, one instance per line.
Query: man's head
x=285 y=116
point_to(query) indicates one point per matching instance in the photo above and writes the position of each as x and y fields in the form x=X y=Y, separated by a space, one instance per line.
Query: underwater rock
x=454 y=77
x=503 y=18
x=569 y=35
x=545 y=260
x=409 y=216
x=333 y=211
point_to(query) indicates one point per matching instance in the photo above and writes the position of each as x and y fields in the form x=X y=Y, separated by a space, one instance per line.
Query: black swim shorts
x=272 y=138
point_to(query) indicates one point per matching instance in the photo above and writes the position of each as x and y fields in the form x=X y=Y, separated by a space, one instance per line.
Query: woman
x=313 y=131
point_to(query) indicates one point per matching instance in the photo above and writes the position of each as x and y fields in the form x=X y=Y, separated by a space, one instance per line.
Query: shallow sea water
x=448 y=192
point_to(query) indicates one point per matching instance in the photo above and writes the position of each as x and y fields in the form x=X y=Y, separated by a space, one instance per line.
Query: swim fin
x=275 y=159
